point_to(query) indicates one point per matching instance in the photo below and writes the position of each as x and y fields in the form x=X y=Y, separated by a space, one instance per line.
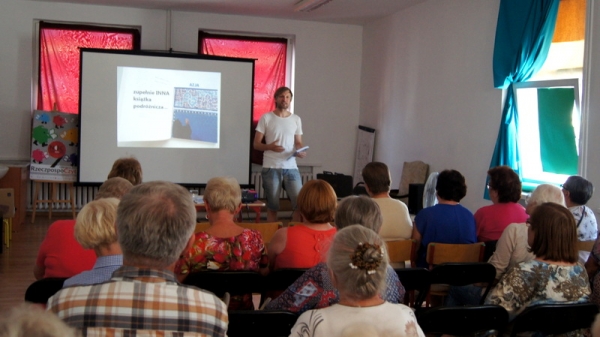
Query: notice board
x=365 y=145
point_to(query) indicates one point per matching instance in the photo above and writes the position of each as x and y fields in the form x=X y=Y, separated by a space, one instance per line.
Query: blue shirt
x=445 y=224
x=102 y=271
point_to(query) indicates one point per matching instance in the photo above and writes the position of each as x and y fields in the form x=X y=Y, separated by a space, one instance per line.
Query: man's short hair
x=376 y=176
x=282 y=90
x=114 y=187
x=128 y=168
x=580 y=189
x=95 y=224
x=155 y=221
x=223 y=193
x=451 y=185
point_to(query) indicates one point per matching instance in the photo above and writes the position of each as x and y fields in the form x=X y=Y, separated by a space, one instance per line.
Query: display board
x=365 y=145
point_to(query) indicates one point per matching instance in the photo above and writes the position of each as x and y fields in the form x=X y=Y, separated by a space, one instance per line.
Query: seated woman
x=553 y=276
x=504 y=187
x=578 y=191
x=304 y=245
x=224 y=245
x=446 y=222
x=315 y=289
x=128 y=168
x=359 y=263
x=95 y=229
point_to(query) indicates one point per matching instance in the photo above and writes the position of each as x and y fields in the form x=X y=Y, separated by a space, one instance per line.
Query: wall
x=327 y=61
x=428 y=89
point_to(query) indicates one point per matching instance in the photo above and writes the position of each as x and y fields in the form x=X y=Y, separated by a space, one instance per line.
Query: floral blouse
x=243 y=252
x=536 y=282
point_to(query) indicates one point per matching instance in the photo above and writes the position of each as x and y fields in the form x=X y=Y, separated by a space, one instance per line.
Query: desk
x=255 y=206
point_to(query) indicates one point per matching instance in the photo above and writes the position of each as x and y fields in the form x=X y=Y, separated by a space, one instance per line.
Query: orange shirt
x=304 y=247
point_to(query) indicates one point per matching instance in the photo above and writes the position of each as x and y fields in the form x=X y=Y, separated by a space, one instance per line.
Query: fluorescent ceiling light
x=309 y=5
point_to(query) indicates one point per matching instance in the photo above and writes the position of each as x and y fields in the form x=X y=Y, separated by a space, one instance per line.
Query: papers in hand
x=298 y=151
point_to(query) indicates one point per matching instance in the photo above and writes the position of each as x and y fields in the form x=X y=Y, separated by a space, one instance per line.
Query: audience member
x=446 y=222
x=359 y=262
x=504 y=187
x=30 y=320
x=315 y=289
x=553 y=276
x=577 y=192
x=128 y=168
x=304 y=245
x=224 y=245
x=396 y=219
x=95 y=229
x=155 y=224
x=114 y=187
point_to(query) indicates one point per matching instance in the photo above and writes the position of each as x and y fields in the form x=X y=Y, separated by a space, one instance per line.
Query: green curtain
x=523 y=37
x=557 y=136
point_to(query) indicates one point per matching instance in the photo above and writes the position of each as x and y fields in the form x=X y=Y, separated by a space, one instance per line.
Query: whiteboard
x=365 y=145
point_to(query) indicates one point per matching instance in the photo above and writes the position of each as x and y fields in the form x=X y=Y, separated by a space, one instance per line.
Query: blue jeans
x=275 y=179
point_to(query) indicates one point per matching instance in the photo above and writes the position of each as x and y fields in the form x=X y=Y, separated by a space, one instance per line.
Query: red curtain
x=59 y=60
x=269 y=68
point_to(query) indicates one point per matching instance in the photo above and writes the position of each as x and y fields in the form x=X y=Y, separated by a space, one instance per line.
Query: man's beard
x=282 y=106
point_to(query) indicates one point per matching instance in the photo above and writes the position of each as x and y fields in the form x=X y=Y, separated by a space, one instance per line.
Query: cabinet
x=16 y=178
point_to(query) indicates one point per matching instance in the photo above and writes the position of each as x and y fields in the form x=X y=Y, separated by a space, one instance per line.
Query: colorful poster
x=54 y=146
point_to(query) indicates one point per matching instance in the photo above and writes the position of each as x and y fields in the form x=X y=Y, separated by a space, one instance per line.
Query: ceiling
x=356 y=12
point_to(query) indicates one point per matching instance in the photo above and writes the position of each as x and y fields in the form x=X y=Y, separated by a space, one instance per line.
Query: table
x=255 y=206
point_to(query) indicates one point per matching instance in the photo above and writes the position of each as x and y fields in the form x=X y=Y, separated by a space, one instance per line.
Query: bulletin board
x=365 y=146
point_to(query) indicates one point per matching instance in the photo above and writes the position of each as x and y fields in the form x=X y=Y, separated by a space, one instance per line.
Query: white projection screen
x=185 y=117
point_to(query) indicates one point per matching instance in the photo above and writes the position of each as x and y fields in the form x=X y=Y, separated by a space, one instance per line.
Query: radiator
x=83 y=195
x=256 y=180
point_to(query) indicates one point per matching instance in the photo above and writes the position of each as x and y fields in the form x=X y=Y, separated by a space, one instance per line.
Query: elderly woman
x=95 y=229
x=578 y=191
x=448 y=221
x=553 y=276
x=505 y=191
x=128 y=168
x=315 y=289
x=304 y=245
x=224 y=245
x=359 y=263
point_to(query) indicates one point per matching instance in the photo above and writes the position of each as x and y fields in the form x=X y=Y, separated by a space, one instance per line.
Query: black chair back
x=461 y=274
x=552 y=319
x=280 y=279
x=414 y=280
x=461 y=321
x=41 y=290
x=260 y=323
x=233 y=282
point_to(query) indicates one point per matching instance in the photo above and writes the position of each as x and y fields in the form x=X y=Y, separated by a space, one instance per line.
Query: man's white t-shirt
x=397 y=224
x=284 y=130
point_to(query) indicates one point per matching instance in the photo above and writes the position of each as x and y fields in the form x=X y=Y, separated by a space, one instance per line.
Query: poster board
x=54 y=146
x=365 y=146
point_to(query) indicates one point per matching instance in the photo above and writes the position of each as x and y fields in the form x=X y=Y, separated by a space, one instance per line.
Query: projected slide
x=168 y=108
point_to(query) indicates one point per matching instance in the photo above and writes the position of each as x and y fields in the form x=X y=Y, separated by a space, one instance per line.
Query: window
x=58 y=87
x=269 y=71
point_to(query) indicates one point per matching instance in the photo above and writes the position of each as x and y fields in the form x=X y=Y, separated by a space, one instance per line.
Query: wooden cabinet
x=16 y=178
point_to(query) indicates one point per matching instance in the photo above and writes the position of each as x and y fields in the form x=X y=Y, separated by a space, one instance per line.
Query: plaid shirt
x=141 y=299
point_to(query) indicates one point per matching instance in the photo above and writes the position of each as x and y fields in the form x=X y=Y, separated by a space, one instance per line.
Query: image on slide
x=168 y=108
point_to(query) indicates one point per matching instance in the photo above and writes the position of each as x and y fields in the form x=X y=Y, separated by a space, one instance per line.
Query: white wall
x=326 y=86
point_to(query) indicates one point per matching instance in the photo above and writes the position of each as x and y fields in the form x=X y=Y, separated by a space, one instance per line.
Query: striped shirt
x=145 y=300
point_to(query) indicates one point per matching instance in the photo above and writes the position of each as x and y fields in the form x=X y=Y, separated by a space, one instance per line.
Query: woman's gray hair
x=360 y=210
x=546 y=193
x=223 y=193
x=358 y=259
x=155 y=221
x=32 y=320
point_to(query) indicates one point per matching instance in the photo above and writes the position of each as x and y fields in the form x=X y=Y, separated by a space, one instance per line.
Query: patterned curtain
x=59 y=60
x=269 y=68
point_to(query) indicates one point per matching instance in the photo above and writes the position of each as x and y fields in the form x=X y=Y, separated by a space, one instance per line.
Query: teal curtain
x=523 y=36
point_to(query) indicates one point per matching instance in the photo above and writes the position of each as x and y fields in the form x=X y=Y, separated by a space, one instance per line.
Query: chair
x=461 y=274
x=402 y=250
x=266 y=229
x=232 y=282
x=416 y=282
x=414 y=172
x=454 y=252
x=260 y=323
x=585 y=245
x=555 y=318
x=461 y=321
x=201 y=226
x=41 y=290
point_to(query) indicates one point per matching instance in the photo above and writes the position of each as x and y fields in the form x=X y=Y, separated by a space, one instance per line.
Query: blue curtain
x=523 y=36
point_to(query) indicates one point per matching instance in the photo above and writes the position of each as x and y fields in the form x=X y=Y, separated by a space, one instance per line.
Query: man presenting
x=282 y=132
x=155 y=224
